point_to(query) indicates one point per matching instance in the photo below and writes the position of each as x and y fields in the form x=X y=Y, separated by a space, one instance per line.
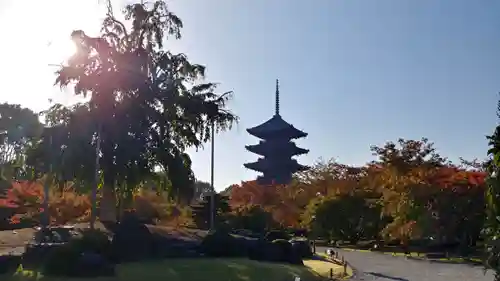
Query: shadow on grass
x=196 y=270
x=218 y=269
x=376 y=274
x=433 y=257
x=452 y=260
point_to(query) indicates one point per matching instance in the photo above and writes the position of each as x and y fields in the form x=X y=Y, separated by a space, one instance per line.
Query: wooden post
x=337 y=255
x=345 y=268
x=331 y=273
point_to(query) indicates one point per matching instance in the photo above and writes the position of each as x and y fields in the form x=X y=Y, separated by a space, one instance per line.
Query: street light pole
x=93 y=215
x=212 y=197
x=46 y=188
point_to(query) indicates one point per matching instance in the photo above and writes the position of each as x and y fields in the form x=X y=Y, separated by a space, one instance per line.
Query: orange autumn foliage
x=150 y=204
x=453 y=176
x=444 y=200
x=65 y=206
x=275 y=199
x=436 y=189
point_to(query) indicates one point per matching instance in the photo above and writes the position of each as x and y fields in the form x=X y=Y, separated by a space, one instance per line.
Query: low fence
x=334 y=257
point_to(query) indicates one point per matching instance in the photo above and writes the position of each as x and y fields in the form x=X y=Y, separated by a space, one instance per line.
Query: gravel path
x=382 y=267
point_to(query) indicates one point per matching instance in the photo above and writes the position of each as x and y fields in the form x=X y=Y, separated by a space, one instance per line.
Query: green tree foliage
x=492 y=228
x=347 y=217
x=19 y=128
x=147 y=105
x=201 y=211
x=66 y=145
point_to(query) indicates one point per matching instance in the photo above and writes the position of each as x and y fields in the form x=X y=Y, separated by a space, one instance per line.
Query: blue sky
x=353 y=73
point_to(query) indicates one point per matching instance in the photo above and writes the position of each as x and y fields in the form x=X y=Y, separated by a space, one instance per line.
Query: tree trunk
x=108 y=205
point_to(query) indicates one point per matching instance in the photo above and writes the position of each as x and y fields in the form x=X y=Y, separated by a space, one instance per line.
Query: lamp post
x=46 y=188
x=93 y=215
x=212 y=198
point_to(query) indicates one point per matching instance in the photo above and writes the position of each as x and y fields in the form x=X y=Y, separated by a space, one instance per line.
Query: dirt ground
x=18 y=238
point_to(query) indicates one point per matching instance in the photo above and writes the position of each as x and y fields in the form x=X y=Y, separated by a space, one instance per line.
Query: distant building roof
x=276 y=127
x=264 y=165
x=287 y=149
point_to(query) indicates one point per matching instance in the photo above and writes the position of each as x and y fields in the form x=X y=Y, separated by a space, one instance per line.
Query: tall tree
x=493 y=201
x=147 y=105
x=400 y=174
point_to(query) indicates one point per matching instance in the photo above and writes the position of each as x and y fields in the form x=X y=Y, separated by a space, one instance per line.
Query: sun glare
x=60 y=51
x=38 y=43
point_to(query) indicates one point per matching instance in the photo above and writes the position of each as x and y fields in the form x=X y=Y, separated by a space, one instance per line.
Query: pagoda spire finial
x=277 y=109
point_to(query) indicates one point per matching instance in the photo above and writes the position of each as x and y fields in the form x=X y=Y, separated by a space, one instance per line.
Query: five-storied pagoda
x=277 y=148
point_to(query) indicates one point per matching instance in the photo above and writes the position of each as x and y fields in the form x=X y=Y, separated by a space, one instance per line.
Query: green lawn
x=202 y=270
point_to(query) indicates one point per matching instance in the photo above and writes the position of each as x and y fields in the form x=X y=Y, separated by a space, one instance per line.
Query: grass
x=186 y=269
x=326 y=265
x=323 y=268
x=202 y=270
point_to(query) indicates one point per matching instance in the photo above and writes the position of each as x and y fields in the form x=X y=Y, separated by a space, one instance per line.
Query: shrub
x=132 y=240
x=223 y=244
x=259 y=250
x=93 y=265
x=86 y=255
x=9 y=263
x=279 y=250
x=34 y=255
x=302 y=247
x=44 y=241
x=277 y=235
x=284 y=252
x=70 y=262
x=93 y=241
x=61 y=261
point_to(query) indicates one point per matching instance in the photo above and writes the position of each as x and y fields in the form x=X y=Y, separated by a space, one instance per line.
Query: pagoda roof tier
x=276 y=127
x=287 y=149
x=264 y=165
